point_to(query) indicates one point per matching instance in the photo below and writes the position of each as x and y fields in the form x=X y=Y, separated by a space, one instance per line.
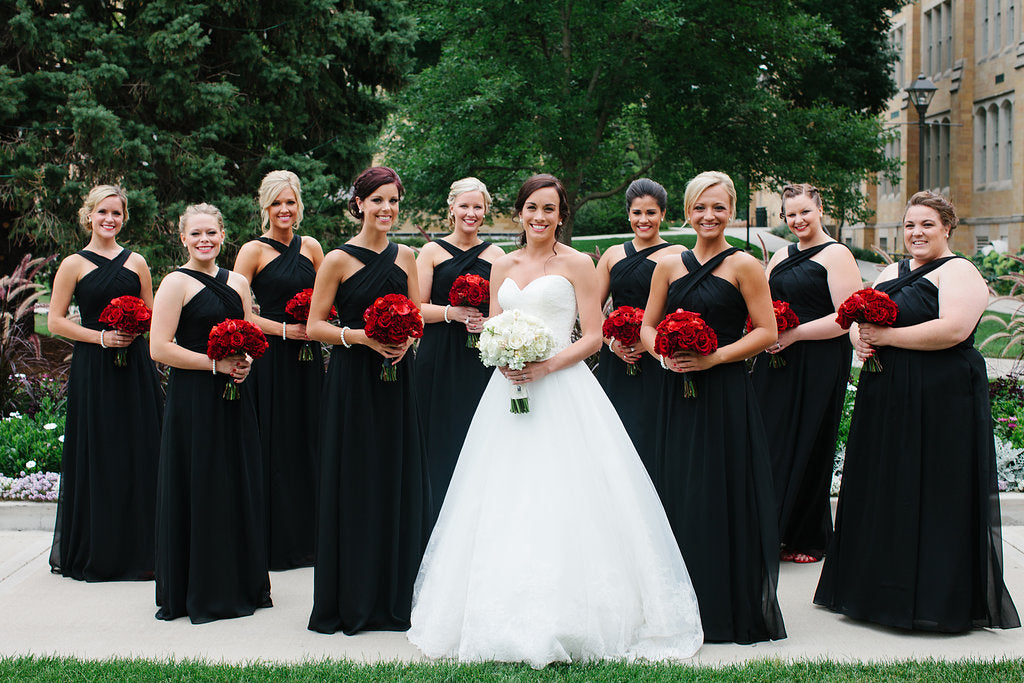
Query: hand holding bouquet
x=623 y=325
x=128 y=314
x=685 y=331
x=392 y=320
x=235 y=338
x=785 y=319
x=868 y=306
x=513 y=339
x=298 y=308
x=470 y=290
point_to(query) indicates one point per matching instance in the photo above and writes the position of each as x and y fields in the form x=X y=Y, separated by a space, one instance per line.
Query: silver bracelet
x=662 y=360
x=213 y=366
x=102 y=343
x=446 y=314
x=343 y=342
x=610 y=342
x=284 y=330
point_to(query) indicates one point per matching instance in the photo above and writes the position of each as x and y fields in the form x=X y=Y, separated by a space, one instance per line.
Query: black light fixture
x=921 y=92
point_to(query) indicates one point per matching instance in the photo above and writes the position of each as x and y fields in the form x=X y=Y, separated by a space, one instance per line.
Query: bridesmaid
x=104 y=529
x=714 y=473
x=918 y=540
x=286 y=390
x=374 y=507
x=211 y=556
x=625 y=271
x=449 y=376
x=802 y=402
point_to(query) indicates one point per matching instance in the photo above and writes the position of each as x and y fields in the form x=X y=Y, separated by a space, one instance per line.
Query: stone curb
x=30 y=516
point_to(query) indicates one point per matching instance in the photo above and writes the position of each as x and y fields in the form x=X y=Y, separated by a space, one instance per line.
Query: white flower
x=49 y=426
x=514 y=339
x=15 y=415
x=30 y=464
x=61 y=438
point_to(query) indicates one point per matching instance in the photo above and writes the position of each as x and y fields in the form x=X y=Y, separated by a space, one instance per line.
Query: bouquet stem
x=306 y=352
x=472 y=339
x=632 y=369
x=689 y=389
x=520 y=399
x=872 y=364
x=121 y=358
x=230 y=391
x=777 y=361
x=388 y=371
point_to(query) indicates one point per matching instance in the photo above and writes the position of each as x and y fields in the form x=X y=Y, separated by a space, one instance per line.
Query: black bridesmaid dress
x=632 y=394
x=105 y=510
x=211 y=555
x=802 y=405
x=714 y=474
x=374 y=507
x=449 y=377
x=918 y=541
x=287 y=394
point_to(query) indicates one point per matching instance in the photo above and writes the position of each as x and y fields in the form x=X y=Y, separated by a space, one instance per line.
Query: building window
x=896 y=42
x=936 y=154
x=938 y=38
x=993 y=143
x=892 y=151
x=997 y=26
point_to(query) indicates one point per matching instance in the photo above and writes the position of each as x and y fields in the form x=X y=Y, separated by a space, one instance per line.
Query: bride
x=552 y=544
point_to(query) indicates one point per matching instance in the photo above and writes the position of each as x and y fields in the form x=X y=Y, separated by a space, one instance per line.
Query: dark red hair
x=368 y=181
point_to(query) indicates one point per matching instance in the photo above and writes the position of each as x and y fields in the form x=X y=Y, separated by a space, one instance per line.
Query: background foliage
x=184 y=102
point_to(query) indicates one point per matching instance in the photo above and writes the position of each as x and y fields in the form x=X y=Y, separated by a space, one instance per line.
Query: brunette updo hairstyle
x=645 y=187
x=796 y=190
x=945 y=208
x=539 y=182
x=367 y=182
x=97 y=195
x=704 y=181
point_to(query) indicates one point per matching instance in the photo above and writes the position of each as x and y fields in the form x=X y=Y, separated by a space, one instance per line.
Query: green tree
x=189 y=101
x=600 y=93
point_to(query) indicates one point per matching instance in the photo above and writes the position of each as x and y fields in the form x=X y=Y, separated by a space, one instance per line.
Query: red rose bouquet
x=470 y=290
x=785 y=319
x=235 y=338
x=298 y=308
x=392 y=319
x=624 y=325
x=128 y=314
x=868 y=306
x=685 y=331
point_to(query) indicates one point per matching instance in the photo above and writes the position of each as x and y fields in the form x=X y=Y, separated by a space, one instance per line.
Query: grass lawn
x=998 y=348
x=50 y=669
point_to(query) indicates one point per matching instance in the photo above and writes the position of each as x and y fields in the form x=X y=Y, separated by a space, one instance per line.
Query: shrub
x=994 y=267
x=32 y=443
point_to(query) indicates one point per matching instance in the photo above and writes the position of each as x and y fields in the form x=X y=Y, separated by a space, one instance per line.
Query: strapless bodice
x=552 y=298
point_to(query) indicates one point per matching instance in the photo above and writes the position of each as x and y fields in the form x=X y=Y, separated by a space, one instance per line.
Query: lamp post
x=921 y=92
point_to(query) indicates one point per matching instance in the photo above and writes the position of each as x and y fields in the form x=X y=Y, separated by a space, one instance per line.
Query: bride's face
x=540 y=216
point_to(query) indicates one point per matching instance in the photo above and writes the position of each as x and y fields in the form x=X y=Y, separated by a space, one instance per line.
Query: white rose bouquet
x=513 y=339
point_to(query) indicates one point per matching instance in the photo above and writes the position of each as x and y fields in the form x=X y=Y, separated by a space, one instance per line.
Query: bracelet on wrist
x=343 y=341
x=661 y=359
x=446 y=314
x=213 y=366
x=284 y=330
x=610 y=343
x=102 y=342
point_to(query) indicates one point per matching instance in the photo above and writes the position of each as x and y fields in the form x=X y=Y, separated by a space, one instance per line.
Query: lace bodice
x=552 y=298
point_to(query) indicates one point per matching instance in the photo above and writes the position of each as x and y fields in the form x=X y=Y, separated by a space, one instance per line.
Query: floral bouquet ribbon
x=512 y=339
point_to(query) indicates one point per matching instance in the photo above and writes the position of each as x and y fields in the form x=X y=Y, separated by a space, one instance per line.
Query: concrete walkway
x=44 y=614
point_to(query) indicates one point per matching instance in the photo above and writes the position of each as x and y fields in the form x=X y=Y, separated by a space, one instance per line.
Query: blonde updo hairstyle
x=97 y=195
x=196 y=210
x=462 y=187
x=941 y=205
x=274 y=183
x=704 y=181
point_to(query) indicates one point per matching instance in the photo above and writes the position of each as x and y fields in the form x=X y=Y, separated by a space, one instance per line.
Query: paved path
x=44 y=614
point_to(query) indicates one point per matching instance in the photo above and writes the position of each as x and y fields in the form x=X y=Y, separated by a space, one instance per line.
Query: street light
x=921 y=92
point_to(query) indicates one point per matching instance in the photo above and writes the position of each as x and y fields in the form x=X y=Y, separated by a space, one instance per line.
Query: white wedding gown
x=552 y=544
